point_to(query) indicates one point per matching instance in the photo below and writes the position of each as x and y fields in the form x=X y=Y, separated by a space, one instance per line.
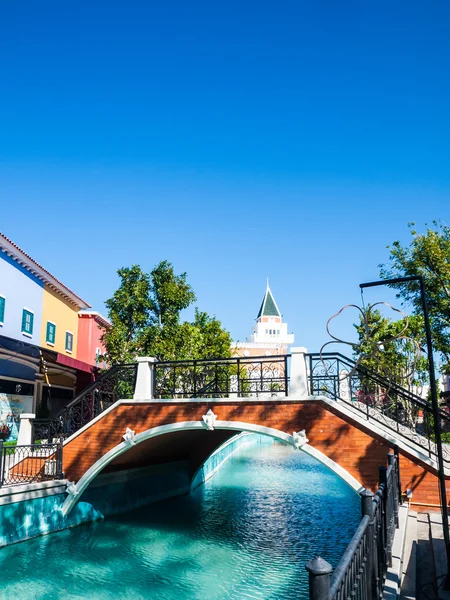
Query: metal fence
x=378 y=399
x=28 y=464
x=243 y=376
x=361 y=572
x=116 y=384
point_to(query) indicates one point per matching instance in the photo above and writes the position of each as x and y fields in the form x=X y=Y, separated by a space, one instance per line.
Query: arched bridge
x=304 y=400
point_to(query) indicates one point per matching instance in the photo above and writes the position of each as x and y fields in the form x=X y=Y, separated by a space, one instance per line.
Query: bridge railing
x=222 y=378
x=377 y=399
x=116 y=384
x=30 y=463
x=361 y=572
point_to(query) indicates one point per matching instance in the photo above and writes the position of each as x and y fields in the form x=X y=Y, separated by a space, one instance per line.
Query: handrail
x=92 y=401
x=342 y=568
x=389 y=404
x=239 y=375
x=375 y=376
x=281 y=357
x=362 y=570
x=91 y=387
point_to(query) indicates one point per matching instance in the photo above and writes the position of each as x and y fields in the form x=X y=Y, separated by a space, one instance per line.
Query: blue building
x=39 y=374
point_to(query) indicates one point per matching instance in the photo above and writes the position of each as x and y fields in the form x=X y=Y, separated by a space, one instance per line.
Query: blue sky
x=239 y=140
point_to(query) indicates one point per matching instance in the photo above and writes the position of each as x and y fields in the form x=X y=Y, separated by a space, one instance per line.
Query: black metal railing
x=28 y=464
x=378 y=399
x=116 y=384
x=361 y=572
x=243 y=376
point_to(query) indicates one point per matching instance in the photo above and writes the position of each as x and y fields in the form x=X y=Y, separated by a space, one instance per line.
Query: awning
x=68 y=361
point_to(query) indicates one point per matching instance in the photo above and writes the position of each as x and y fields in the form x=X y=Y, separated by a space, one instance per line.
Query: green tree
x=428 y=254
x=392 y=349
x=145 y=319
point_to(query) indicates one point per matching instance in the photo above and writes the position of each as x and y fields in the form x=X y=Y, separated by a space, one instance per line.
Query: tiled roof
x=269 y=307
x=24 y=259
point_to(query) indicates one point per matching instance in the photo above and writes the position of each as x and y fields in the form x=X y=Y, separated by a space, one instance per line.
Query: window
x=69 y=341
x=97 y=354
x=27 y=322
x=51 y=333
x=2 y=309
x=278 y=332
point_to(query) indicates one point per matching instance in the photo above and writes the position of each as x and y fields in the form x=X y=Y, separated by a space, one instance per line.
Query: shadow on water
x=247 y=534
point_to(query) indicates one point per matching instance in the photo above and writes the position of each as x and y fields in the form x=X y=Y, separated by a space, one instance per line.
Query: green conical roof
x=268 y=306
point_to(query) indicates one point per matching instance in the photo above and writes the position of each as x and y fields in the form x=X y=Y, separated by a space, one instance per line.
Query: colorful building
x=41 y=369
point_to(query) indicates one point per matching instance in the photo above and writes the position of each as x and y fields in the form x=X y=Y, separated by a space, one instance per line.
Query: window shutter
x=30 y=330
x=51 y=333
x=69 y=341
x=2 y=309
x=24 y=320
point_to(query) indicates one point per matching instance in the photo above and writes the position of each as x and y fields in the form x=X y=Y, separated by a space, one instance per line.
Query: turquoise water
x=246 y=534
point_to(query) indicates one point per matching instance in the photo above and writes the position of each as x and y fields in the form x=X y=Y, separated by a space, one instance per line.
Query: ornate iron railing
x=117 y=383
x=28 y=464
x=378 y=399
x=361 y=572
x=243 y=376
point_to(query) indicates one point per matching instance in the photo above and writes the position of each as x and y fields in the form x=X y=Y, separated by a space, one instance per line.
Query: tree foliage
x=392 y=348
x=428 y=254
x=145 y=319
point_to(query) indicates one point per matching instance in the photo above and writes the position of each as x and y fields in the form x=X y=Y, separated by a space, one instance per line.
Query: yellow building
x=59 y=323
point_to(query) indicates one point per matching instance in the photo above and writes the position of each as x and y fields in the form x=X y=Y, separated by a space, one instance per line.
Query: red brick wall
x=352 y=446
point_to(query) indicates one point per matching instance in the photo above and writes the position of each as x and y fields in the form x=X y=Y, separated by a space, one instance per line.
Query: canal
x=245 y=534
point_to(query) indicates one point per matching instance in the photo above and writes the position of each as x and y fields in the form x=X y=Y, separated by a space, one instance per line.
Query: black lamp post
x=434 y=400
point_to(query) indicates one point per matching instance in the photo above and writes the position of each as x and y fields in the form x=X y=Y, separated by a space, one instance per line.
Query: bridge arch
x=75 y=491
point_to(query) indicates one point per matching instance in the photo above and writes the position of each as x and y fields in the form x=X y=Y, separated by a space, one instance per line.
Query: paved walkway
x=430 y=558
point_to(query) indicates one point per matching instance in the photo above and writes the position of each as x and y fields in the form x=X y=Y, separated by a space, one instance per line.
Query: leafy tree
x=392 y=349
x=428 y=255
x=145 y=319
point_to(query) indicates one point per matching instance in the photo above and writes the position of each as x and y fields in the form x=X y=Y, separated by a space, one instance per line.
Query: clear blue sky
x=238 y=140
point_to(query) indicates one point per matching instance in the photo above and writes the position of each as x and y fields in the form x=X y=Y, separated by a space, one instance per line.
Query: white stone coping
x=391 y=589
x=337 y=405
x=209 y=401
x=383 y=432
x=28 y=491
x=75 y=490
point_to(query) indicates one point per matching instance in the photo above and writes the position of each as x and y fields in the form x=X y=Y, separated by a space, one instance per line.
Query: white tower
x=269 y=334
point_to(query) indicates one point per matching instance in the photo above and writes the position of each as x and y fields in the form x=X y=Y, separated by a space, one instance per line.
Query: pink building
x=90 y=329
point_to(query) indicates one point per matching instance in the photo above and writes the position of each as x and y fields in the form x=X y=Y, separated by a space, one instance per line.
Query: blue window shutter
x=2 y=309
x=51 y=333
x=27 y=321
x=69 y=341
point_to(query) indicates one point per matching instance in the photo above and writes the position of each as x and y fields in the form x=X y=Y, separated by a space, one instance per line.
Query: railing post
x=298 y=376
x=319 y=578
x=392 y=462
x=397 y=473
x=59 y=461
x=144 y=378
x=2 y=464
x=367 y=509
x=386 y=514
x=26 y=429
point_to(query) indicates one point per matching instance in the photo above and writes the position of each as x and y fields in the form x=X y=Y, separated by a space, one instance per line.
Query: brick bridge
x=351 y=436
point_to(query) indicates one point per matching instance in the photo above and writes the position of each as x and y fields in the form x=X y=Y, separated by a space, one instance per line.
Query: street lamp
x=434 y=401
